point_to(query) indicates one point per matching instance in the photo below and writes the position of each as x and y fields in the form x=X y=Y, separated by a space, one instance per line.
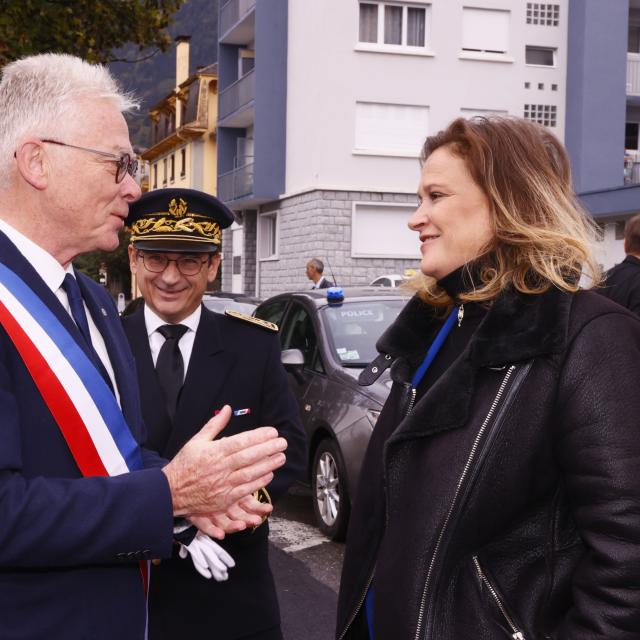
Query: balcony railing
x=633 y=74
x=233 y=12
x=236 y=184
x=239 y=94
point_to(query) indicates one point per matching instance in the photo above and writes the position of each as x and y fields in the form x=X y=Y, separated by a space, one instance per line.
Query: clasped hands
x=212 y=482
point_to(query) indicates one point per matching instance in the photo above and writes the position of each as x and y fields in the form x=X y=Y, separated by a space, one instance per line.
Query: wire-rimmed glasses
x=158 y=262
x=125 y=163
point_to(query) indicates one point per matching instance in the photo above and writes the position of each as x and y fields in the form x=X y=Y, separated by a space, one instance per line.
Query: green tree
x=115 y=264
x=91 y=29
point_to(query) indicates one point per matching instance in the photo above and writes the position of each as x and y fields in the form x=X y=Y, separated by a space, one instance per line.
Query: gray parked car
x=326 y=344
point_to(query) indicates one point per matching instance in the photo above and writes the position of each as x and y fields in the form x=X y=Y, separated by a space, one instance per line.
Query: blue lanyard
x=436 y=345
x=434 y=348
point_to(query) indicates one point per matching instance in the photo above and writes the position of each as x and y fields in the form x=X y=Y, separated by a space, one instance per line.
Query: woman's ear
x=32 y=162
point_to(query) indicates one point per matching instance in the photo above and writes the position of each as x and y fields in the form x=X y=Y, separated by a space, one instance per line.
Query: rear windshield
x=354 y=328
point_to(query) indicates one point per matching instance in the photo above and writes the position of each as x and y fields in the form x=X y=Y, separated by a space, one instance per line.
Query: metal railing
x=236 y=184
x=633 y=74
x=232 y=12
x=240 y=93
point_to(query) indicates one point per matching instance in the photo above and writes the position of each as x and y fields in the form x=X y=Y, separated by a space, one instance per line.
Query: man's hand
x=247 y=512
x=210 y=478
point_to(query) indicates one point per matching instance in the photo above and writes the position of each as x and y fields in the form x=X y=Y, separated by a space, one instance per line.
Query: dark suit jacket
x=324 y=284
x=69 y=545
x=233 y=363
x=622 y=284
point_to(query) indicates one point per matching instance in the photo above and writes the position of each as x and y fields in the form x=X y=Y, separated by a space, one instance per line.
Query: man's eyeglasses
x=158 y=262
x=125 y=163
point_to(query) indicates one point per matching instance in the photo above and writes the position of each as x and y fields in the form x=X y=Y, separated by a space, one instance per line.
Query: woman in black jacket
x=500 y=493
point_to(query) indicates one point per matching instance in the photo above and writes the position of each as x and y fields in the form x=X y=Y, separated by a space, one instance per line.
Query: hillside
x=152 y=79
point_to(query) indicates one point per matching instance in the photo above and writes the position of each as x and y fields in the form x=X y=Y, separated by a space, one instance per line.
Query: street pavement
x=306 y=567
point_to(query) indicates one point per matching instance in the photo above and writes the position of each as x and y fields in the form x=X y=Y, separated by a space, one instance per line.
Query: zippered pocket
x=516 y=633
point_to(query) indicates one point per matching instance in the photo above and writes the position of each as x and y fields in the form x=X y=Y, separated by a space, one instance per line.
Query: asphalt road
x=306 y=566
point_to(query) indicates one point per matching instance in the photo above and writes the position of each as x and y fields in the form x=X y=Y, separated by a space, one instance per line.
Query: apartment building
x=323 y=108
x=183 y=145
x=603 y=114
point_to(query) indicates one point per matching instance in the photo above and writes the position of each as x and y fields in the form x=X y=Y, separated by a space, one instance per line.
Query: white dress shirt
x=156 y=339
x=53 y=273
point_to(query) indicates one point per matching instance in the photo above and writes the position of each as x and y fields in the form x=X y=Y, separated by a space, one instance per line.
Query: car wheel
x=330 y=497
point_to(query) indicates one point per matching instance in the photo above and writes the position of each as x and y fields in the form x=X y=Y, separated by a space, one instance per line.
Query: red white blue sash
x=80 y=401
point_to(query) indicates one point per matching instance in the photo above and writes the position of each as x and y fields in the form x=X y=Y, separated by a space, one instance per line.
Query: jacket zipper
x=359 y=606
x=516 y=634
x=412 y=401
x=465 y=472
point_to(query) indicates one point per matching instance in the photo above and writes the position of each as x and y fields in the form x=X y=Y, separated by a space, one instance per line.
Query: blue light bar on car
x=335 y=295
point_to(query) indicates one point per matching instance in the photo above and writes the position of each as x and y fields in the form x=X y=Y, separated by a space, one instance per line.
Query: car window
x=354 y=328
x=298 y=333
x=272 y=311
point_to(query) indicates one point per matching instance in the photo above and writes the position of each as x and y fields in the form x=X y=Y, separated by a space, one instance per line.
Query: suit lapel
x=202 y=386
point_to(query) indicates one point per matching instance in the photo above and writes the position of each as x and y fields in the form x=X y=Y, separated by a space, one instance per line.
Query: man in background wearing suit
x=83 y=506
x=191 y=362
x=315 y=269
x=622 y=282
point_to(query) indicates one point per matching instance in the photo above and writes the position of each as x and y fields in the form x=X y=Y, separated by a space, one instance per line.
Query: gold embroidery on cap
x=178 y=210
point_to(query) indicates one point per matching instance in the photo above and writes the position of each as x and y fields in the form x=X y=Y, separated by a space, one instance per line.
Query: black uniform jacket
x=506 y=503
x=622 y=284
x=235 y=363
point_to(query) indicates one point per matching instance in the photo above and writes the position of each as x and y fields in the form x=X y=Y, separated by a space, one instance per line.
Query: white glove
x=208 y=557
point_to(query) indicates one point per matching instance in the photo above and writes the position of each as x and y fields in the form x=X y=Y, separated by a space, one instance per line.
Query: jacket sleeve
x=69 y=521
x=599 y=453
x=280 y=410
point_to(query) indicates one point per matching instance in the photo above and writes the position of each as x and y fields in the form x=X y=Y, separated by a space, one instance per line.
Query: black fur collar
x=516 y=327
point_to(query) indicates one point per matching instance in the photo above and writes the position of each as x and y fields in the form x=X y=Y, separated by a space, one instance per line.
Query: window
x=619 y=229
x=527 y=85
x=543 y=56
x=542 y=13
x=631 y=135
x=370 y=221
x=466 y=112
x=267 y=236
x=172 y=175
x=395 y=25
x=540 y=86
x=298 y=333
x=164 y=172
x=390 y=129
x=183 y=162
x=554 y=87
x=545 y=114
x=485 y=30
x=272 y=312
x=155 y=175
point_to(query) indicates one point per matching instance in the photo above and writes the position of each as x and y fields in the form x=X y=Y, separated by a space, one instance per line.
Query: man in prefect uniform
x=191 y=362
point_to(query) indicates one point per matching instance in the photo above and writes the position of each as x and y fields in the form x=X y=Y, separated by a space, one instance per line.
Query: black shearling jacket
x=506 y=504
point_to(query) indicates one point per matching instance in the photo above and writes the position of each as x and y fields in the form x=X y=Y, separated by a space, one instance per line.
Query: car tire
x=331 y=503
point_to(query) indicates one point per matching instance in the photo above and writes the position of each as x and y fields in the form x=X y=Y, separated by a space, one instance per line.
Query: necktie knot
x=172 y=331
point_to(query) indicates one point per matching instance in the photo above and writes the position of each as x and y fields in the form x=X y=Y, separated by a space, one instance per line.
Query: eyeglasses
x=125 y=163
x=158 y=262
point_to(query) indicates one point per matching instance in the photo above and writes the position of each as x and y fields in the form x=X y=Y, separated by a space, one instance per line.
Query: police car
x=327 y=337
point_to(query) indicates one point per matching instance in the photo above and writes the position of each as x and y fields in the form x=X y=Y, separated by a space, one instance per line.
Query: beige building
x=183 y=145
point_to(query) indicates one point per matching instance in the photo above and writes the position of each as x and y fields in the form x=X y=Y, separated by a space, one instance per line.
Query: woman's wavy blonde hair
x=542 y=236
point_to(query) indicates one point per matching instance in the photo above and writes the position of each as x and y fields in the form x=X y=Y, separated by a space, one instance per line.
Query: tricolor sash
x=79 y=399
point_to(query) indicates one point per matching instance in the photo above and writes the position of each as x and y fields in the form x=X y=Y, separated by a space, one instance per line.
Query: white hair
x=40 y=94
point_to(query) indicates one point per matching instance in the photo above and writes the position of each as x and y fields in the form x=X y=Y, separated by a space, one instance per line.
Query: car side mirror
x=293 y=362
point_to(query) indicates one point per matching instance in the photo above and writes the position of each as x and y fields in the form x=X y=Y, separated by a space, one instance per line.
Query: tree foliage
x=114 y=263
x=90 y=29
